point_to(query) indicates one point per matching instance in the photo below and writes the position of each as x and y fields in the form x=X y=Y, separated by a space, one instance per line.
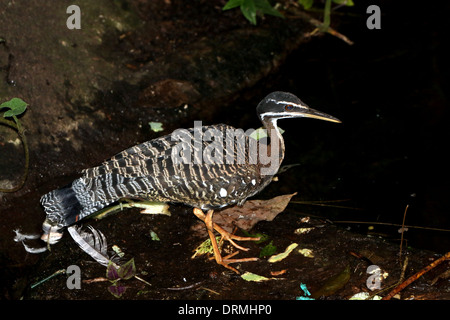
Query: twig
x=210 y=290
x=402 y=275
x=142 y=280
x=186 y=287
x=390 y=224
x=325 y=203
x=416 y=276
x=98 y=279
x=61 y=271
x=103 y=279
x=403 y=231
x=321 y=27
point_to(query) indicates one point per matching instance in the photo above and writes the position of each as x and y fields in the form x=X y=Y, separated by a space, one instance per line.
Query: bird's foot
x=225 y=261
x=210 y=226
x=224 y=233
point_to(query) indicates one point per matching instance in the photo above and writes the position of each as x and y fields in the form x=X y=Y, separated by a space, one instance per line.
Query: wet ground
x=388 y=91
x=168 y=267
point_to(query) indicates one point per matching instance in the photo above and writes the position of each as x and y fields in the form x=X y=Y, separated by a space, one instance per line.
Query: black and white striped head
x=283 y=105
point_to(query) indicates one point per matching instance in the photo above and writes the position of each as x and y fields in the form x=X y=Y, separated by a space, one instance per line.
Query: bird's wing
x=150 y=170
x=145 y=158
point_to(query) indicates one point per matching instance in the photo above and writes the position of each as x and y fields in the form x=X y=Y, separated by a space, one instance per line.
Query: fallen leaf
x=205 y=247
x=283 y=255
x=154 y=236
x=308 y=253
x=152 y=207
x=333 y=284
x=268 y=250
x=248 y=276
x=250 y=213
x=156 y=126
x=364 y=296
x=302 y=230
x=118 y=251
x=278 y=273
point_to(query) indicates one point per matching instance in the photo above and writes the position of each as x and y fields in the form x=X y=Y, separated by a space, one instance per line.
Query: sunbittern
x=188 y=167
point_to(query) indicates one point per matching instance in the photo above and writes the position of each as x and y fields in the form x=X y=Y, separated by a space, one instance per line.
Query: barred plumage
x=147 y=171
x=204 y=167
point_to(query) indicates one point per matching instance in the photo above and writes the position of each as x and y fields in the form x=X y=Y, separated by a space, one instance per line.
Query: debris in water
x=156 y=126
x=308 y=253
x=248 y=276
x=306 y=293
x=283 y=255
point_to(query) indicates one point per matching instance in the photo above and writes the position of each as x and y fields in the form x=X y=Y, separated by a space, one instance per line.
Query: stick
x=416 y=276
x=403 y=231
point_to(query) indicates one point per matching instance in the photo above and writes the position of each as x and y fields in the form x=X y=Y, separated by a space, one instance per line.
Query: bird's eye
x=288 y=107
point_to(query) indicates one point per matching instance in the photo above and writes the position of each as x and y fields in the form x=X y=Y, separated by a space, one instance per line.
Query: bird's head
x=282 y=105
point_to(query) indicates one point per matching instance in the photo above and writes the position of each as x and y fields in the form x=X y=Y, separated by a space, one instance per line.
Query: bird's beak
x=312 y=113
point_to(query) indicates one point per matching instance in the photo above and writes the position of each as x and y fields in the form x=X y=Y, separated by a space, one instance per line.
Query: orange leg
x=210 y=226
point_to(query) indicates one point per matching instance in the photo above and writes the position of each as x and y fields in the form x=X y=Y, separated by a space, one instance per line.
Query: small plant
x=94 y=243
x=114 y=274
x=16 y=107
x=251 y=8
x=307 y=4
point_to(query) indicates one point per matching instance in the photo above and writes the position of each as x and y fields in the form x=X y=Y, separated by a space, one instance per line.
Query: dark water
x=390 y=91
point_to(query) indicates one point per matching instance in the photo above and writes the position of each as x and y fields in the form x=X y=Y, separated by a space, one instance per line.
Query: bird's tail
x=77 y=200
x=62 y=206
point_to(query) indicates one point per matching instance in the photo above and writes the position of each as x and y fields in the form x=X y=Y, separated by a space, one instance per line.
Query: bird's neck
x=276 y=148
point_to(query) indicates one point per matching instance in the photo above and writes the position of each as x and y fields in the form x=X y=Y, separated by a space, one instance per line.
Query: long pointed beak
x=312 y=113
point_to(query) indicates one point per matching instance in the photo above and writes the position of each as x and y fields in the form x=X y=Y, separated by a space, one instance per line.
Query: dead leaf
x=333 y=283
x=248 y=276
x=278 y=273
x=246 y=216
x=283 y=255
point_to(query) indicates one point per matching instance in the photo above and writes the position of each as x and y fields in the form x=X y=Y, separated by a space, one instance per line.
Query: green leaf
x=16 y=107
x=154 y=236
x=268 y=250
x=156 y=126
x=348 y=3
x=205 y=247
x=118 y=251
x=232 y=4
x=266 y=8
x=248 y=9
x=127 y=270
x=307 y=4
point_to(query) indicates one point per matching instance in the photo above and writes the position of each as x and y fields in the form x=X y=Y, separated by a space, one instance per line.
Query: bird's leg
x=224 y=233
x=224 y=261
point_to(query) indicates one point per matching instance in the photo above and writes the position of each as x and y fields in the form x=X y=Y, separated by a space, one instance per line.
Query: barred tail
x=79 y=199
x=61 y=206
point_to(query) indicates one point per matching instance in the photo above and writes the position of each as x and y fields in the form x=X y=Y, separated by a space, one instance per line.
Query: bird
x=206 y=167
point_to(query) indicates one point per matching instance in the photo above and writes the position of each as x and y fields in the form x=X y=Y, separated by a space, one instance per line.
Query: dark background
x=390 y=89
